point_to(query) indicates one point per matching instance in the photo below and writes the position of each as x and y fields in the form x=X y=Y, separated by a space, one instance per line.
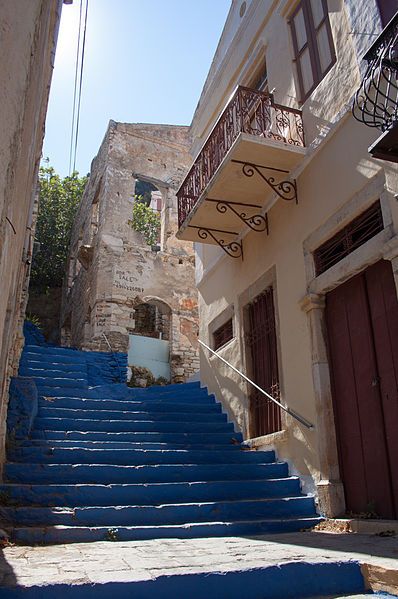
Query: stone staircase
x=112 y=463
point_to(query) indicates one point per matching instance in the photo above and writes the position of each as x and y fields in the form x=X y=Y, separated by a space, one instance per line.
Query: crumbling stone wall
x=111 y=270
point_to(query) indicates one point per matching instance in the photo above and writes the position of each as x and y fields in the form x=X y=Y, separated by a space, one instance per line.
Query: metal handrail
x=122 y=376
x=286 y=409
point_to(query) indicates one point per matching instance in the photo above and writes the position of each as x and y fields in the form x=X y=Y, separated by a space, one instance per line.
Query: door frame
x=384 y=245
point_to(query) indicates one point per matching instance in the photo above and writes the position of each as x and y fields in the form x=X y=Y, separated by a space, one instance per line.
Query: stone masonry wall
x=111 y=270
x=28 y=33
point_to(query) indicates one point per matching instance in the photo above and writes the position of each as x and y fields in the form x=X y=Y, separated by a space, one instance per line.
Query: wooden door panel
x=384 y=312
x=349 y=432
x=359 y=417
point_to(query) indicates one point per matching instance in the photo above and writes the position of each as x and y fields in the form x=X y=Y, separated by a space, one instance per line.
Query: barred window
x=355 y=234
x=223 y=334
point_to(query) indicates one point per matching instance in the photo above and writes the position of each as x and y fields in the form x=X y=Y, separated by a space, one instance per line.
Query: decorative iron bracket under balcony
x=242 y=169
x=376 y=101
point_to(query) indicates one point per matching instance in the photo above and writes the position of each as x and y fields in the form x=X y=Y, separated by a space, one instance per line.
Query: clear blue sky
x=145 y=61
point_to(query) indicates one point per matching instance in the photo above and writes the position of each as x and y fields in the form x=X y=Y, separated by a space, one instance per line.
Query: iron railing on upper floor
x=249 y=111
x=376 y=101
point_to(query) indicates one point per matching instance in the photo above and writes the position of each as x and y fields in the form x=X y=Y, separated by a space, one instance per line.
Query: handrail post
x=286 y=409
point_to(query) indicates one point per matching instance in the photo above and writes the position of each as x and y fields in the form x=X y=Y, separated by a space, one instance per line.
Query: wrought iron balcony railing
x=249 y=111
x=376 y=101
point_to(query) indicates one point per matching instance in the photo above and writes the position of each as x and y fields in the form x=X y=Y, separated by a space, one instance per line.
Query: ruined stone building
x=119 y=291
x=27 y=44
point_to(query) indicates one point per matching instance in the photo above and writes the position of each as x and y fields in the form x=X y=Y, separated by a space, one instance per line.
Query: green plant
x=112 y=534
x=58 y=202
x=162 y=381
x=140 y=372
x=34 y=320
x=145 y=221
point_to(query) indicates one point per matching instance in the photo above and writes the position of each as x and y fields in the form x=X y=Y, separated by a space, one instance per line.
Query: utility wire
x=80 y=86
x=75 y=87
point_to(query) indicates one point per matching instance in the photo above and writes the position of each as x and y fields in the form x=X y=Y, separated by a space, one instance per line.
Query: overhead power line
x=77 y=92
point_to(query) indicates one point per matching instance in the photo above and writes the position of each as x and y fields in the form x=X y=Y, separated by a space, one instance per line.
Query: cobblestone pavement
x=145 y=560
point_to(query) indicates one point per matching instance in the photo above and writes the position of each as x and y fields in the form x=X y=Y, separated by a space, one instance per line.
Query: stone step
x=160 y=515
x=75 y=403
x=145 y=437
x=60 y=382
x=185 y=388
x=26 y=368
x=137 y=457
x=149 y=572
x=74 y=534
x=46 y=374
x=70 y=424
x=148 y=494
x=125 y=445
x=108 y=474
x=169 y=416
x=54 y=349
x=54 y=358
x=99 y=394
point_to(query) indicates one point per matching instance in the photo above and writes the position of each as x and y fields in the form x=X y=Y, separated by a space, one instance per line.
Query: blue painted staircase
x=112 y=463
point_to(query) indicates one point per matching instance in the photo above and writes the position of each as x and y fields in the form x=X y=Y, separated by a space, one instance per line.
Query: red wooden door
x=261 y=339
x=362 y=322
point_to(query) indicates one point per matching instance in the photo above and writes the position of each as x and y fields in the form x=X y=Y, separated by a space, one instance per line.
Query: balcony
x=242 y=169
x=376 y=101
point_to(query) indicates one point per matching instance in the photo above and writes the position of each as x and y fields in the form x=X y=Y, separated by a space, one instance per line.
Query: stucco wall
x=336 y=181
x=28 y=31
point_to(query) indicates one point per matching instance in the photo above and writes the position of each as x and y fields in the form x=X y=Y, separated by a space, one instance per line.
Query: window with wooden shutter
x=223 y=334
x=313 y=45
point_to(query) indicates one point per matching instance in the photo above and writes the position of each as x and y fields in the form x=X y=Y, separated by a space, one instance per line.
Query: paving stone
x=105 y=561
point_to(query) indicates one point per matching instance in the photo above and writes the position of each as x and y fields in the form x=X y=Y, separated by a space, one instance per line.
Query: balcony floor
x=230 y=184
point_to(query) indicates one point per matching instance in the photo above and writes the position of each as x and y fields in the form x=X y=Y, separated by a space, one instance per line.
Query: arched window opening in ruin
x=152 y=319
x=151 y=196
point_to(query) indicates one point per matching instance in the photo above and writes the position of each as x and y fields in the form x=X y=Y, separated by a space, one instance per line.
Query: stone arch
x=152 y=318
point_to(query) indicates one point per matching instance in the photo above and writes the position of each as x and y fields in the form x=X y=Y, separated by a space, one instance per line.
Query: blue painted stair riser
x=155 y=463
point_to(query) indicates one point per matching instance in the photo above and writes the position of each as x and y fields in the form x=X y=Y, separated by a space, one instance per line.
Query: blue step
x=148 y=494
x=159 y=462
x=111 y=474
x=50 y=350
x=122 y=405
x=69 y=424
x=137 y=457
x=125 y=445
x=48 y=359
x=60 y=383
x=92 y=393
x=298 y=579
x=75 y=534
x=37 y=369
x=160 y=515
x=158 y=437
x=180 y=416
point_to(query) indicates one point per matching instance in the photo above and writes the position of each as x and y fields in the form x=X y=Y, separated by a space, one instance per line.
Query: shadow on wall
x=7 y=574
x=46 y=307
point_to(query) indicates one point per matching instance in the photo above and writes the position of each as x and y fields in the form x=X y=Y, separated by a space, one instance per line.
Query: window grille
x=223 y=334
x=355 y=234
